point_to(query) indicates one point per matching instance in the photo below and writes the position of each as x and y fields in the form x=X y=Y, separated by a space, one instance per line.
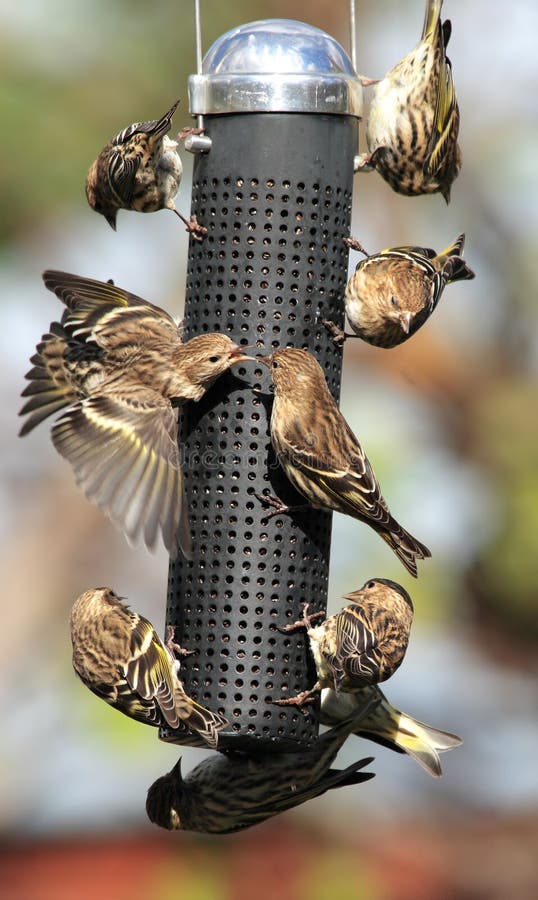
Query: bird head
x=380 y=588
x=98 y=599
x=294 y=372
x=205 y=357
x=397 y=313
x=164 y=799
x=96 y=200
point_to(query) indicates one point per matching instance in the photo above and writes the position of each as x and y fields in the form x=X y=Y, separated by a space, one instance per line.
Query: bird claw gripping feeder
x=279 y=102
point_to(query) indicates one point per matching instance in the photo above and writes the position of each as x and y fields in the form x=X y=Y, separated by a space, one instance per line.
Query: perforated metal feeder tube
x=280 y=103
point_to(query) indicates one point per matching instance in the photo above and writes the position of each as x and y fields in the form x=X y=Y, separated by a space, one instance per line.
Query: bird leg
x=305 y=622
x=366 y=81
x=354 y=244
x=300 y=699
x=279 y=507
x=366 y=162
x=192 y=226
x=338 y=335
x=175 y=649
x=184 y=133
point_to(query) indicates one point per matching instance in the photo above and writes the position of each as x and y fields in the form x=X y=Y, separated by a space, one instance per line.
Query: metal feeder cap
x=276 y=65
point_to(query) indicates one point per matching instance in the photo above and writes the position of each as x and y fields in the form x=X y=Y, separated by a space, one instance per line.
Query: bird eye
x=214 y=359
x=371 y=584
x=275 y=364
x=394 y=301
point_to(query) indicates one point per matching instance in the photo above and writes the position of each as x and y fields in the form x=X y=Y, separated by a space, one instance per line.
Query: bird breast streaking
x=413 y=121
x=117 y=366
x=322 y=457
x=394 y=292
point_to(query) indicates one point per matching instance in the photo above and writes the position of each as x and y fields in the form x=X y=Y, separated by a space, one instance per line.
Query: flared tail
x=406 y=547
x=432 y=15
x=451 y=264
x=390 y=727
x=50 y=388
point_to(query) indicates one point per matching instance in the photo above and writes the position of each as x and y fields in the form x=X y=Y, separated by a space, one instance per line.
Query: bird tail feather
x=401 y=731
x=204 y=722
x=406 y=547
x=451 y=263
x=390 y=727
x=49 y=389
x=432 y=16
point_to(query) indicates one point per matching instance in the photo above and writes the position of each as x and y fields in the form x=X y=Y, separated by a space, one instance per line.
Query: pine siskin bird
x=390 y=727
x=228 y=793
x=413 y=122
x=139 y=169
x=119 y=656
x=119 y=365
x=392 y=293
x=362 y=644
x=322 y=457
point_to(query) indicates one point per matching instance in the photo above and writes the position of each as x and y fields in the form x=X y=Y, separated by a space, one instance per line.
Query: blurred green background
x=448 y=419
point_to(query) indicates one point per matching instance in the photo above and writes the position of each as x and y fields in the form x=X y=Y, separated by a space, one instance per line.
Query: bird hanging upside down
x=119 y=656
x=224 y=793
x=413 y=121
x=139 y=169
x=393 y=293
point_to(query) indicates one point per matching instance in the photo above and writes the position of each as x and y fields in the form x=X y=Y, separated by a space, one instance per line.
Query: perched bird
x=362 y=644
x=322 y=457
x=229 y=793
x=119 y=656
x=386 y=725
x=119 y=365
x=392 y=293
x=413 y=122
x=139 y=169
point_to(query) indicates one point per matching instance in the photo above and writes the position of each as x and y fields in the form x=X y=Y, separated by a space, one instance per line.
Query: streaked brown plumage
x=322 y=457
x=413 y=122
x=229 y=793
x=139 y=169
x=392 y=293
x=119 y=365
x=362 y=644
x=388 y=726
x=119 y=656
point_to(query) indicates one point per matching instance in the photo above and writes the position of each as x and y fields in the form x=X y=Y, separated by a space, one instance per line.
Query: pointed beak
x=111 y=219
x=405 y=321
x=177 y=770
x=238 y=354
x=265 y=360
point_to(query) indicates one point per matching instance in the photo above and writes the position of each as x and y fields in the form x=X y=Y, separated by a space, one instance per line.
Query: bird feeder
x=273 y=171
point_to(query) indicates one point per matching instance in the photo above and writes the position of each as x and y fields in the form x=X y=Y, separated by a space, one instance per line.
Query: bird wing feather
x=411 y=250
x=154 y=127
x=122 y=445
x=356 y=644
x=149 y=671
x=342 y=472
x=444 y=121
x=121 y=172
x=96 y=308
x=153 y=674
x=355 y=490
